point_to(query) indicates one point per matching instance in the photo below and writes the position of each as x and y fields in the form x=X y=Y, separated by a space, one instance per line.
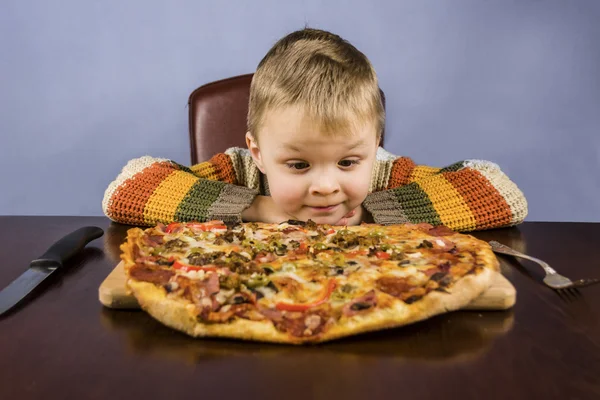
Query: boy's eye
x=347 y=163
x=297 y=165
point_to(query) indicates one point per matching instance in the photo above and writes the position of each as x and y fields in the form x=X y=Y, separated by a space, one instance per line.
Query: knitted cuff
x=384 y=208
x=231 y=202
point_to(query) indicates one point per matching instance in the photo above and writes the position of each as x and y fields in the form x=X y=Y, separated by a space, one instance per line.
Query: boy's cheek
x=358 y=189
x=285 y=195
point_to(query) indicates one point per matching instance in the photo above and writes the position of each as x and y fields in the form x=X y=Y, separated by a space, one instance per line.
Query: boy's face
x=311 y=175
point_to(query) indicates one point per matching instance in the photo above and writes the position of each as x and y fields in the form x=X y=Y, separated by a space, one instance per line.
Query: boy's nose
x=325 y=185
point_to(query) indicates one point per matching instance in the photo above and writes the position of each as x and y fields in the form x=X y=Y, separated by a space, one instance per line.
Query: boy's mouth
x=325 y=209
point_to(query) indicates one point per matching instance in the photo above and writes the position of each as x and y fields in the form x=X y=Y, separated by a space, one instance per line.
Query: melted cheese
x=402 y=272
x=198 y=275
x=267 y=292
x=294 y=276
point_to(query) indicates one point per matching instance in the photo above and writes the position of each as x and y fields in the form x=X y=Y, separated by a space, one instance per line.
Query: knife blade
x=44 y=266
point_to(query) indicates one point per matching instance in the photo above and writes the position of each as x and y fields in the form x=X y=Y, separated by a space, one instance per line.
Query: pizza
x=299 y=282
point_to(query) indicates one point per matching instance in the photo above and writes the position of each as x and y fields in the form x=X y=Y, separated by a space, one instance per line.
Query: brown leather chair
x=217 y=116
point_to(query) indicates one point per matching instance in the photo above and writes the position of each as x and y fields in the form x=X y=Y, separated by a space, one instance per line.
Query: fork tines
x=568 y=294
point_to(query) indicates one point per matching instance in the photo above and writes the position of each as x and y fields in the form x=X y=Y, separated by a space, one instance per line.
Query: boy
x=314 y=123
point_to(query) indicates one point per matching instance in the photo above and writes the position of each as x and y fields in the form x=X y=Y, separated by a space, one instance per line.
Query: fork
x=552 y=279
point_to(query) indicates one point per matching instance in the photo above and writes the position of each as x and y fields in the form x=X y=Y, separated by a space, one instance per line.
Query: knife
x=41 y=268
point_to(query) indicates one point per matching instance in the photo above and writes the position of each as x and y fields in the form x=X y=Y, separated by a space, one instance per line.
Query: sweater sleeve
x=150 y=190
x=466 y=196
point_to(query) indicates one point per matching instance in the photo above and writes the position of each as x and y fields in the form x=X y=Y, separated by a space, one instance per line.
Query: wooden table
x=62 y=344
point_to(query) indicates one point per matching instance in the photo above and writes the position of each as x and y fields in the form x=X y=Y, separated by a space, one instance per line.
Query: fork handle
x=500 y=248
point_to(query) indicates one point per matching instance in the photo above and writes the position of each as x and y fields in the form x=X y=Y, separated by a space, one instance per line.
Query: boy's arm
x=150 y=190
x=466 y=196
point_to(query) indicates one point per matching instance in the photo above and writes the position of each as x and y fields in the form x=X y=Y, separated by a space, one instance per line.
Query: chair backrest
x=217 y=116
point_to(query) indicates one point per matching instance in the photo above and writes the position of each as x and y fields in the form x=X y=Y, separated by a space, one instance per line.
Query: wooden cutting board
x=113 y=294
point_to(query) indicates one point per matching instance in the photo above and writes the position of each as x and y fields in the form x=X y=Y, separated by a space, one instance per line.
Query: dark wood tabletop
x=63 y=344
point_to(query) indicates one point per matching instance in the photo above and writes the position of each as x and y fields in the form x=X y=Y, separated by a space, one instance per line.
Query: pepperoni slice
x=393 y=286
x=156 y=276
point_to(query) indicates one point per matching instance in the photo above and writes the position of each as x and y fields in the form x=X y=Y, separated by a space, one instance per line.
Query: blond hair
x=332 y=81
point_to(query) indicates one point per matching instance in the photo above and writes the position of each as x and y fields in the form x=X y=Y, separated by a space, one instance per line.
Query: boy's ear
x=254 y=151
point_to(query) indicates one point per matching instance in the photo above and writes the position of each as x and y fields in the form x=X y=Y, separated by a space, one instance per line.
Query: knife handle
x=69 y=245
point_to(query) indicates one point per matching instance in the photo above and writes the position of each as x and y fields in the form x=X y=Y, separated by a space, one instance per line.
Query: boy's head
x=314 y=122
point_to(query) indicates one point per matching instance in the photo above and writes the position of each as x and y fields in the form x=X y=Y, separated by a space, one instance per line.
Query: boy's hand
x=354 y=217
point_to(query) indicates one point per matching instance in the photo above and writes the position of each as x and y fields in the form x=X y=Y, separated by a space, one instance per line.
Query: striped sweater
x=465 y=196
